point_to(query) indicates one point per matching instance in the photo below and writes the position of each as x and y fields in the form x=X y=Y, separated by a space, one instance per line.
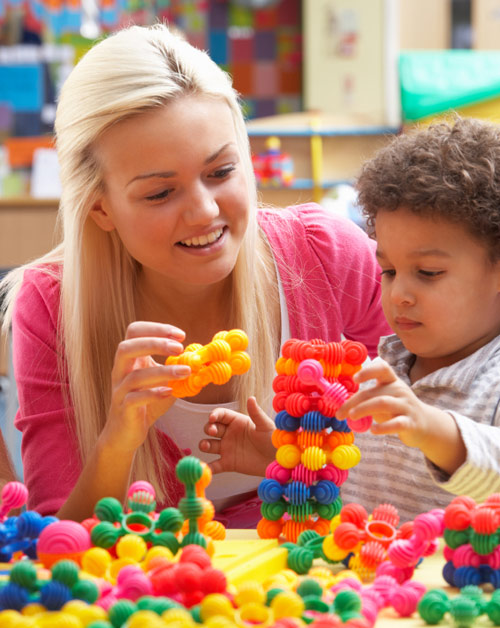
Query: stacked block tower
x=314 y=449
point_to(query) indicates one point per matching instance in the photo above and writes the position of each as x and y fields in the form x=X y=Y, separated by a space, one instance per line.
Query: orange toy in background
x=214 y=363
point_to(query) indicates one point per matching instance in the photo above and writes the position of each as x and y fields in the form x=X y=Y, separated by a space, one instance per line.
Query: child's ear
x=101 y=217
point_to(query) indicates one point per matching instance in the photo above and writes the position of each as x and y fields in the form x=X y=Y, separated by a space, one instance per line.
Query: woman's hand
x=242 y=442
x=140 y=393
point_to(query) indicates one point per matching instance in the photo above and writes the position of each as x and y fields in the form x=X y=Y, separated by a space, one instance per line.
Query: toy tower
x=314 y=449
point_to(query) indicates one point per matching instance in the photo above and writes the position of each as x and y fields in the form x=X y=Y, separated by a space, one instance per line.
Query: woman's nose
x=201 y=205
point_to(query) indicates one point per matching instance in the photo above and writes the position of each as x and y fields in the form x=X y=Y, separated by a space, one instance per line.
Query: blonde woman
x=163 y=245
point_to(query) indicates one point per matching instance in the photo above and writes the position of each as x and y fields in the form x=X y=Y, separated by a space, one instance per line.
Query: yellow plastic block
x=249 y=560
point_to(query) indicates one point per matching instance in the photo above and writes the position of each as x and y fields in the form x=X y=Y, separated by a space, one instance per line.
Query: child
x=433 y=201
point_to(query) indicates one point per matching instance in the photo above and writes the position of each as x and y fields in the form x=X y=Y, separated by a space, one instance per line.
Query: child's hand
x=139 y=393
x=396 y=410
x=393 y=405
x=242 y=442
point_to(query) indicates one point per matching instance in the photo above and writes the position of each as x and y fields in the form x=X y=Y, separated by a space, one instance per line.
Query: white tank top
x=184 y=423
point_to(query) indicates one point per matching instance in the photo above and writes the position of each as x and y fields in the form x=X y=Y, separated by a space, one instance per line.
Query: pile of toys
x=129 y=566
x=472 y=537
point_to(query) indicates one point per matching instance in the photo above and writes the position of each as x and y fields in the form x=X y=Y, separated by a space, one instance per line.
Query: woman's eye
x=159 y=195
x=388 y=272
x=222 y=173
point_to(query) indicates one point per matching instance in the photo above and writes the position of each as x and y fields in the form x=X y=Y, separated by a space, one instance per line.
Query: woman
x=163 y=245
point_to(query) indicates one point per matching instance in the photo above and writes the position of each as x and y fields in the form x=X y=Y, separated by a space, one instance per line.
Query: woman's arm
x=7 y=472
x=57 y=481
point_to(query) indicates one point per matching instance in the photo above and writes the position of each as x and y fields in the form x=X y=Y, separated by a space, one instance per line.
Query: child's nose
x=401 y=292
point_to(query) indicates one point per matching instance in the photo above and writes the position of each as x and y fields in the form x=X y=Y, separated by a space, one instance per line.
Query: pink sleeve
x=348 y=256
x=49 y=452
x=330 y=275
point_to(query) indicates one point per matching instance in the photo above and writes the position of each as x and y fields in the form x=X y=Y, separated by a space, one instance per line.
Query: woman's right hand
x=139 y=393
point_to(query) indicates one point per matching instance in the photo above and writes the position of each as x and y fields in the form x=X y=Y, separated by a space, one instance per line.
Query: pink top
x=330 y=280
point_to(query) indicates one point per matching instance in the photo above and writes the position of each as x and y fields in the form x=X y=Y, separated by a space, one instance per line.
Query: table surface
x=429 y=573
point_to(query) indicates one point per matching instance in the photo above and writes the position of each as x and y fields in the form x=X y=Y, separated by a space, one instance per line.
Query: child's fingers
x=377 y=369
x=382 y=408
x=210 y=446
x=222 y=415
x=216 y=430
x=395 y=425
x=216 y=466
x=258 y=416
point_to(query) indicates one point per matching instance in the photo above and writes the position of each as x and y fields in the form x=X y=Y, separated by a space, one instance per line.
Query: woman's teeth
x=204 y=239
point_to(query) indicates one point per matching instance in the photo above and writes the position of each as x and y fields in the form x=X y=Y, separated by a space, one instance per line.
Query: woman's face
x=176 y=191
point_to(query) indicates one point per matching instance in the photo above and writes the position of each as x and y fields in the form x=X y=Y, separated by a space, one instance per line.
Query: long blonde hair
x=133 y=71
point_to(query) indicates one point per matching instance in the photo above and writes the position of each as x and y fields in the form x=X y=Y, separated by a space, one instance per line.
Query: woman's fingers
x=147 y=378
x=139 y=329
x=128 y=351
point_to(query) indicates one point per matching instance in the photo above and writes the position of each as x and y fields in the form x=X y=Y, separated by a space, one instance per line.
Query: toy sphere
x=62 y=539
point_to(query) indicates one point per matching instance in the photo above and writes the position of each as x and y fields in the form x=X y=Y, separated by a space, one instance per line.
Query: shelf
x=306 y=184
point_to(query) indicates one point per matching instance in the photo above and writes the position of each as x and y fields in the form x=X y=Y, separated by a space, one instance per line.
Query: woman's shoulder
x=315 y=226
x=40 y=287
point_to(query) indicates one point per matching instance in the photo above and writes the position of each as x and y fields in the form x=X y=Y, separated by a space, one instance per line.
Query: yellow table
x=246 y=557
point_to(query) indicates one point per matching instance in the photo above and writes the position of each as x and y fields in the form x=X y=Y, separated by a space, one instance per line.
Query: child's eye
x=431 y=273
x=389 y=272
x=222 y=173
x=159 y=195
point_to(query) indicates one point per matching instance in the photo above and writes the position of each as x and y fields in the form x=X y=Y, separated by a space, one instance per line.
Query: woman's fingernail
x=180 y=370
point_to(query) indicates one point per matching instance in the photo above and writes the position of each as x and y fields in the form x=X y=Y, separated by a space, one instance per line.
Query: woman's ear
x=101 y=217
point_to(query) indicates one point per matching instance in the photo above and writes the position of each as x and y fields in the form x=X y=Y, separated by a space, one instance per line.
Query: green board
x=436 y=81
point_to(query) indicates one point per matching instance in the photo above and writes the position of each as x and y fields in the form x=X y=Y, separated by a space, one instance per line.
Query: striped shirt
x=390 y=471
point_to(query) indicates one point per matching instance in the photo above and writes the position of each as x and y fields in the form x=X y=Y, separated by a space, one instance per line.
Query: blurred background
x=324 y=83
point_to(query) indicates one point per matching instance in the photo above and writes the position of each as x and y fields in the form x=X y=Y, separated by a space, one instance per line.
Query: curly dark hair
x=448 y=171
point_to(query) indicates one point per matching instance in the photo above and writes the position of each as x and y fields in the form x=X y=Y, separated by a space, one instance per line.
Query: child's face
x=176 y=192
x=440 y=293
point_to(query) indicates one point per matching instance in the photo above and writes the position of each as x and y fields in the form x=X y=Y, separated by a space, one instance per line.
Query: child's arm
x=397 y=410
x=242 y=442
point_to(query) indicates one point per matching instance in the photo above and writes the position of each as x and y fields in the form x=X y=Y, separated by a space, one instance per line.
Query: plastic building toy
x=14 y=495
x=463 y=609
x=472 y=537
x=215 y=362
x=24 y=587
x=21 y=534
x=195 y=508
x=62 y=540
x=273 y=168
x=206 y=525
x=365 y=543
x=314 y=449
x=195 y=512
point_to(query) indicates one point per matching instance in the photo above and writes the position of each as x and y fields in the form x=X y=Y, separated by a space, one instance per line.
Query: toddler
x=432 y=200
